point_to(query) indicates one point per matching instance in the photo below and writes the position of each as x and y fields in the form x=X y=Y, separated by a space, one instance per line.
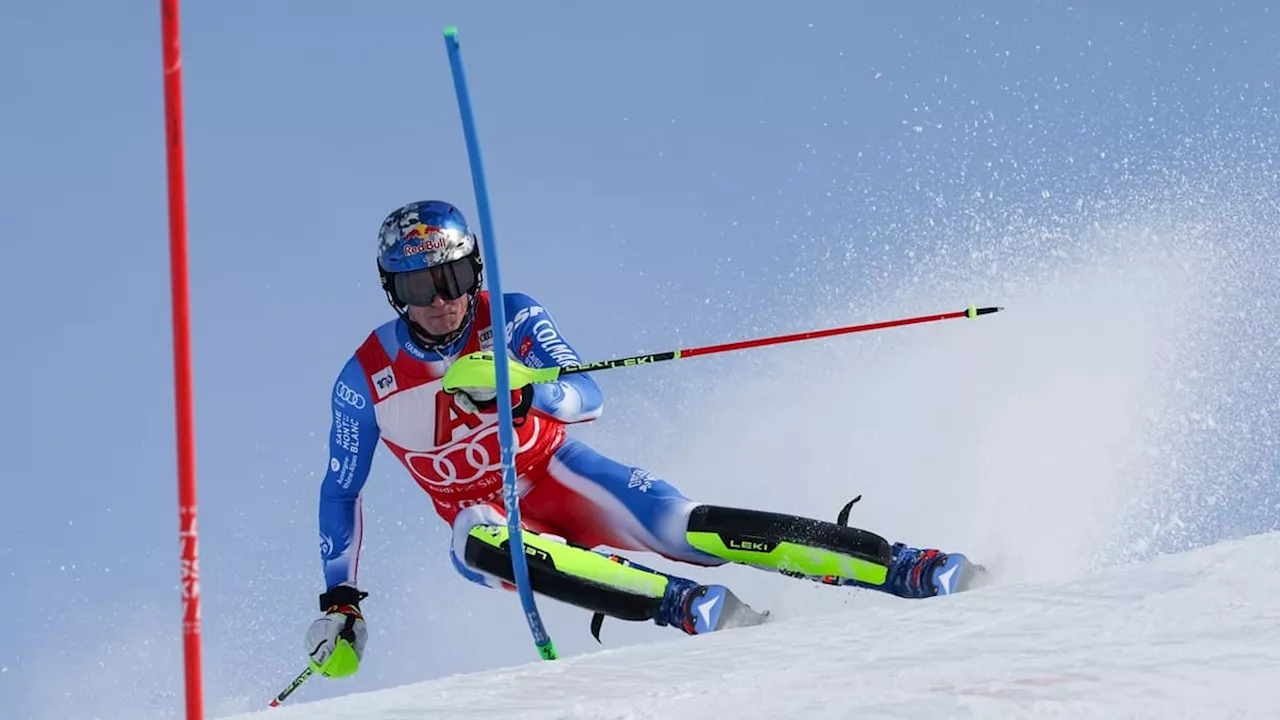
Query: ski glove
x=471 y=380
x=336 y=641
x=476 y=400
x=472 y=400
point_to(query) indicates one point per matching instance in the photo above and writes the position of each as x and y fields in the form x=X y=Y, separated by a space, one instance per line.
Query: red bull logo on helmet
x=428 y=237
x=420 y=230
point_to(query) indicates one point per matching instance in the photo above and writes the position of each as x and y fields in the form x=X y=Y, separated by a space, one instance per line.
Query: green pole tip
x=451 y=31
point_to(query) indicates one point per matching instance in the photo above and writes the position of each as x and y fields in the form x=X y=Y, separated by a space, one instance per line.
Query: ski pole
x=971 y=312
x=478 y=368
x=297 y=682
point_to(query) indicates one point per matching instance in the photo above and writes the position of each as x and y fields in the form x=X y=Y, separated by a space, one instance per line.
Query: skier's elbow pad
x=568 y=402
x=590 y=401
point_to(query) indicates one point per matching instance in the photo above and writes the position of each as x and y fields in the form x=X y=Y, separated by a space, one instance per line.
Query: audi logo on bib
x=466 y=461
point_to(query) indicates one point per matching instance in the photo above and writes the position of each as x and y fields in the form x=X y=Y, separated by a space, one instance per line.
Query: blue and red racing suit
x=391 y=390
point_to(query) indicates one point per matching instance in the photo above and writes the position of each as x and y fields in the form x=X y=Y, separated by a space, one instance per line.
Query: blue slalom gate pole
x=497 y=315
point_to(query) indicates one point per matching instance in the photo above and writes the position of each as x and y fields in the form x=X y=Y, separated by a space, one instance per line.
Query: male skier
x=423 y=384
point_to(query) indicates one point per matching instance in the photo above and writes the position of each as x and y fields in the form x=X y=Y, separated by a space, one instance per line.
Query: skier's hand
x=335 y=642
x=474 y=400
x=472 y=380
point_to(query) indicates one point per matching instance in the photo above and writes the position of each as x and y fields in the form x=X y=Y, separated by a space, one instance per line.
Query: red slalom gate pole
x=187 y=535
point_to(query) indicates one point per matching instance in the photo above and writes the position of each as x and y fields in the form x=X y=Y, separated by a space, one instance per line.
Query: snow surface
x=1195 y=634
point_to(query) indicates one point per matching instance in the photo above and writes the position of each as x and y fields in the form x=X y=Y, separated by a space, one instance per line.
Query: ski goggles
x=450 y=281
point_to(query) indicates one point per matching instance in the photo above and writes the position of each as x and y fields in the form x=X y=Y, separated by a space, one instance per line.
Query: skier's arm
x=353 y=437
x=536 y=341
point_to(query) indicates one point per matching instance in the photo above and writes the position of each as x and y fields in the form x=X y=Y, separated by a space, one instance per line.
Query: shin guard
x=791 y=545
x=571 y=574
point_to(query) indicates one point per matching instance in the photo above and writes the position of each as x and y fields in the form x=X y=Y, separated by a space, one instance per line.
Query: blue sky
x=662 y=176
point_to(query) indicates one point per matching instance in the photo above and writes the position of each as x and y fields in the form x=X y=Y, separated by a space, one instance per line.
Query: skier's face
x=442 y=316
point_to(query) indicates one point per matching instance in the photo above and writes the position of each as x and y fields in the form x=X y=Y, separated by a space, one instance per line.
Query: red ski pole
x=971 y=312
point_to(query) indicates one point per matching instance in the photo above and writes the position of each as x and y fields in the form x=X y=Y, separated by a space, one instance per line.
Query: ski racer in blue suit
x=576 y=505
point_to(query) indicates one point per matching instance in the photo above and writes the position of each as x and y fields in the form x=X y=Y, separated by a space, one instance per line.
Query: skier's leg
x=827 y=552
x=607 y=585
x=479 y=553
x=475 y=516
x=594 y=502
x=598 y=501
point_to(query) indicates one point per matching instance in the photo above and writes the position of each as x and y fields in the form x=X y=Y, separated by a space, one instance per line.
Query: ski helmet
x=425 y=249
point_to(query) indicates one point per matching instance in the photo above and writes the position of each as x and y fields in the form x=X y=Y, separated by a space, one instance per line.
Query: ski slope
x=1189 y=635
